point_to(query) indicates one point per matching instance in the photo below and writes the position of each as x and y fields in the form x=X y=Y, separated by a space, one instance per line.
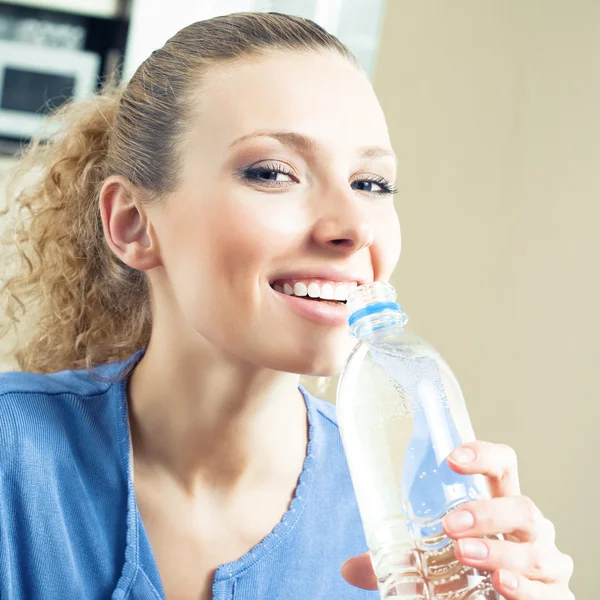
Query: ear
x=127 y=230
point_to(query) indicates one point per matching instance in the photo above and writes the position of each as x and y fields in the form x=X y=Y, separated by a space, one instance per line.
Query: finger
x=517 y=587
x=358 y=571
x=497 y=461
x=537 y=561
x=516 y=515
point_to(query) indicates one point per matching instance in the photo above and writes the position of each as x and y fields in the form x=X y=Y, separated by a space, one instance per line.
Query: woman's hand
x=526 y=565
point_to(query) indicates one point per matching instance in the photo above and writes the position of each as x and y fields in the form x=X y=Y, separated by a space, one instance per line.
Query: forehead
x=321 y=95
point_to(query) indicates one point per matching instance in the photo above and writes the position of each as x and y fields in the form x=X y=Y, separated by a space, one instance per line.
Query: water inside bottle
x=399 y=422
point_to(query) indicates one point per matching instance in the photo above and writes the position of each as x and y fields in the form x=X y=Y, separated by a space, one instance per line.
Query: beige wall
x=494 y=111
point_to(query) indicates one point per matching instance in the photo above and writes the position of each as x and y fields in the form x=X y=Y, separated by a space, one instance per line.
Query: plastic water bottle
x=401 y=412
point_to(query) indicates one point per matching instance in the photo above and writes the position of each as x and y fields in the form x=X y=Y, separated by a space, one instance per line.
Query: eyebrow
x=308 y=144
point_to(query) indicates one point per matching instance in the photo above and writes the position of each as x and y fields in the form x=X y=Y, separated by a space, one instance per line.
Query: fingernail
x=473 y=549
x=508 y=580
x=463 y=456
x=459 y=520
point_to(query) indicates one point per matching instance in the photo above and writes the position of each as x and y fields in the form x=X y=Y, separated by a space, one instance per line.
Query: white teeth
x=327 y=291
x=300 y=289
x=314 y=290
x=341 y=291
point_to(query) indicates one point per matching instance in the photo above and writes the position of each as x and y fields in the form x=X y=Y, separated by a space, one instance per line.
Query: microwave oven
x=36 y=79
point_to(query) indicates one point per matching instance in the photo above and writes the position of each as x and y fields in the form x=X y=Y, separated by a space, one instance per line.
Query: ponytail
x=67 y=295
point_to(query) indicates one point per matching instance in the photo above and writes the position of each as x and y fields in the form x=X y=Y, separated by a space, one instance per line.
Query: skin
x=218 y=424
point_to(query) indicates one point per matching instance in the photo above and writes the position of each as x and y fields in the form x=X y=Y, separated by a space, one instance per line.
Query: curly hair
x=71 y=301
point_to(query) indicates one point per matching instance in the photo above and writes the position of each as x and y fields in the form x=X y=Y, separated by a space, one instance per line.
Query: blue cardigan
x=69 y=522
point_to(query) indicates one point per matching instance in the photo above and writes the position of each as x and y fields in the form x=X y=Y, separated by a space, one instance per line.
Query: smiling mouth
x=313 y=299
x=329 y=292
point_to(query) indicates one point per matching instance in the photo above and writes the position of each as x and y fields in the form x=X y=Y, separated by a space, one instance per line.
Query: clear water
x=401 y=412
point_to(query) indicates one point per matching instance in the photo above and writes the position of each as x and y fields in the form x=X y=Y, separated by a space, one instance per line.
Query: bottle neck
x=382 y=318
x=373 y=308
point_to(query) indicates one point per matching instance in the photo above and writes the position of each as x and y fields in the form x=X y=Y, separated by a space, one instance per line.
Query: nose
x=343 y=225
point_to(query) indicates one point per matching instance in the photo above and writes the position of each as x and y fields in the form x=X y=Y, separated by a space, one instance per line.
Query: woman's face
x=287 y=173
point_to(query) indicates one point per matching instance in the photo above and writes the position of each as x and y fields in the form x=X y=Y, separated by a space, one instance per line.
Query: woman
x=172 y=223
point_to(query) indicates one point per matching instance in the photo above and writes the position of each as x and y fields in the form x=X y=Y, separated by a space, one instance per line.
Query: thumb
x=358 y=572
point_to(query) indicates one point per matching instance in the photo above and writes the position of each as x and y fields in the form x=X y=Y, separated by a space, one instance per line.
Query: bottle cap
x=372 y=298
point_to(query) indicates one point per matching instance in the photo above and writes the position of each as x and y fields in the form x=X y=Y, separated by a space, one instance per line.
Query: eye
x=374 y=185
x=270 y=175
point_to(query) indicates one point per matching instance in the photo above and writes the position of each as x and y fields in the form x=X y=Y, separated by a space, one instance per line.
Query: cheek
x=216 y=249
x=387 y=247
x=245 y=240
x=395 y=237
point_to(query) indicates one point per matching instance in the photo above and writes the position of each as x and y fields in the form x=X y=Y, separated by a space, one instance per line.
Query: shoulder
x=33 y=396
x=43 y=414
x=62 y=480
x=80 y=383
x=34 y=384
x=60 y=436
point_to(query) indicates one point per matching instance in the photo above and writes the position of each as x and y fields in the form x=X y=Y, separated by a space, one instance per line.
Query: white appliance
x=34 y=78
x=94 y=8
x=357 y=23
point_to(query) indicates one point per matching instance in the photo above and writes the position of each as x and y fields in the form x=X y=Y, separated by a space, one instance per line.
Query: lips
x=323 y=312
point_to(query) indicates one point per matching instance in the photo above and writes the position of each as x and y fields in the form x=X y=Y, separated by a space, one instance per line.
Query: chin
x=323 y=360
x=321 y=368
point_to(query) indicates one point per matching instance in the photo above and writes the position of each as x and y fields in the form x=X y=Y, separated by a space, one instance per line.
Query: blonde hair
x=80 y=305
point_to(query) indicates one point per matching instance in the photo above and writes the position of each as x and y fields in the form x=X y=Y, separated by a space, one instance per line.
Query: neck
x=208 y=420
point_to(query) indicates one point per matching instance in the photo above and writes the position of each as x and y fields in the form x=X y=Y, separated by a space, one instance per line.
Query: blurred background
x=494 y=112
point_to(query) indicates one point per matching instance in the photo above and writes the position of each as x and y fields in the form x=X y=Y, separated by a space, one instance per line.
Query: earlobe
x=127 y=230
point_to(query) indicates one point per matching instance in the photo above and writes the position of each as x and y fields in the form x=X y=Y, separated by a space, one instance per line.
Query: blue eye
x=374 y=185
x=271 y=175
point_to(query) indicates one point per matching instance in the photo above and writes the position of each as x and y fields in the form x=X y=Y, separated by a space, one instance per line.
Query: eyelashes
x=278 y=175
x=366 y=183
x=268 y=175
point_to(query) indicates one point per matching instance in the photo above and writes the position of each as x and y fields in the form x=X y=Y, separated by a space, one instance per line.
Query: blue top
x=70 y=527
